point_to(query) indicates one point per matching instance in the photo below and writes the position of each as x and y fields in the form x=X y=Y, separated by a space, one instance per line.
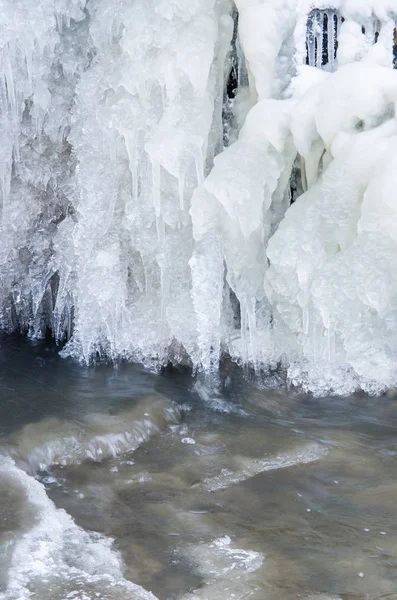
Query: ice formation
x=41 y=445
x=48 y=556
x=248 y=468
x=183 y=180
x=226 y=571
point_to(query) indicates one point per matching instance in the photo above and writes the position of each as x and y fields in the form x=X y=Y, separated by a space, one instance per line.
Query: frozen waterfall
x=183 y=180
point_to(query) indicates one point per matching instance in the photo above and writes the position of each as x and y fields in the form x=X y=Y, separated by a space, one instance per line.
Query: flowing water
x=121 y=484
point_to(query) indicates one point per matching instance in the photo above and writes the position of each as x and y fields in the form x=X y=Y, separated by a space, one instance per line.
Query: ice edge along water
x=251 y=467
x=50 y=556
x=47 y=554
x=135 y=228
x=53 y=557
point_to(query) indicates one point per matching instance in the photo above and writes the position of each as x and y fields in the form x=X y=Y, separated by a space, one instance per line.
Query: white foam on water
x=251 y=467
x=55 y=559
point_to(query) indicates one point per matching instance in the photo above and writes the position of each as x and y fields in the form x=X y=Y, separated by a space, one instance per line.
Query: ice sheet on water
x=95 y=437
x=227 y=571
x=250 y=467
x=55 y=559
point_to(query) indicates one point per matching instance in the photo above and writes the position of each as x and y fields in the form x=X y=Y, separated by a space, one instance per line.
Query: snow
x=132 y=232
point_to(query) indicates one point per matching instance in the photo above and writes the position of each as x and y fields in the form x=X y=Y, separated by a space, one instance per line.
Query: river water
x=121 y=484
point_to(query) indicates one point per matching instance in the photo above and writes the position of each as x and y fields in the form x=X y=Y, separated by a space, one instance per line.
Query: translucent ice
x=51 y=557
x=180 y=180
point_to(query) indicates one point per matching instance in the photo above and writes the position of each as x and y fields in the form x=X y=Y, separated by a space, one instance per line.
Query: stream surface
x=120 y=484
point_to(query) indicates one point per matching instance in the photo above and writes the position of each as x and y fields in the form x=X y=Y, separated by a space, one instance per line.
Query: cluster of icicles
x=177 y=183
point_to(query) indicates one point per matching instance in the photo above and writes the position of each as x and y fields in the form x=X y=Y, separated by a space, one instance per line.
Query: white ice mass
x=180 y=180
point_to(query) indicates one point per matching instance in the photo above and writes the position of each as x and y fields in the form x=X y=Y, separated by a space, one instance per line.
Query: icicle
x=251 y=321
x=303 y=174
x=29 y=66
x=163 y=304
x=160 y=227
x=305 y=319
x=198 y=160
x=339 y=20
x=244 y=332
x=181 y=190
x=156 y=188
x=319 y=26
x=9 y=77
x=331 y=39
x=131 y=144
x=311 y=40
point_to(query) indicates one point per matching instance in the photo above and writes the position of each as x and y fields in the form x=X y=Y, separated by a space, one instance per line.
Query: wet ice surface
x=118 y=483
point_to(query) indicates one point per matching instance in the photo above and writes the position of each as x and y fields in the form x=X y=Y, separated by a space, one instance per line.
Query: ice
x=250 y=467
x=97 y=437
x=52 y=558
x=335 y=328
x=157 y=119
x=145 y=207
x=227 y=571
